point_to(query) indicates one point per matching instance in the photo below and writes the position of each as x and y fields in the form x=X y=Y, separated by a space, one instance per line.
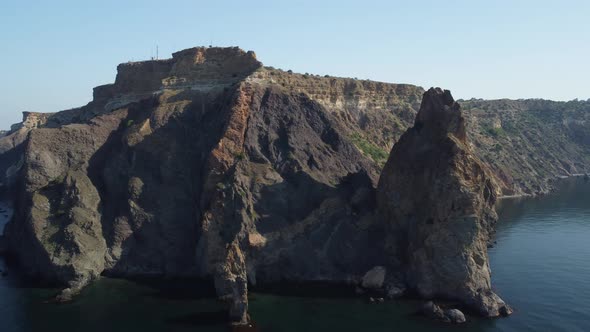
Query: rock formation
x=438 y=199
x=210 y=165
x=197 y=166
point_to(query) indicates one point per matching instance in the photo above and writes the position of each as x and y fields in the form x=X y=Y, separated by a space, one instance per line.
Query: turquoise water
x=541 y=266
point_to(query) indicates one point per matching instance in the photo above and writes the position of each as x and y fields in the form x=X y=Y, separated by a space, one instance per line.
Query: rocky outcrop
x=438 y=199
x=435 y=312
x=194 y=68
x=184 y=167
x=11 y=144
x=209 y=165
x=58 y=235
x=120 y=186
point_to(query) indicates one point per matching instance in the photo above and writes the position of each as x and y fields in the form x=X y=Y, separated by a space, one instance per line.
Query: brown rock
x=438 y=199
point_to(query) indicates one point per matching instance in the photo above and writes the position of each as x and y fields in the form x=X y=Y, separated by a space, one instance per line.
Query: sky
x=53 y=53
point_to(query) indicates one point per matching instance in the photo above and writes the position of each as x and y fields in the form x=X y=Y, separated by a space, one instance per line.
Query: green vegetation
x=240 y=155
x=495 y=131
x=254 y=215
x=60 y=213
x=373 y=151
x=509 y=127
x=129 y=123
x=220 y=186
x=57 y=180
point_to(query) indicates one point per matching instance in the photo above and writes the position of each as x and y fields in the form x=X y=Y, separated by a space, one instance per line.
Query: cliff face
x=210 y=165
x=127 y=197
x=205 y=165
x=11 y=146
x=529 y=143
x=438 y=199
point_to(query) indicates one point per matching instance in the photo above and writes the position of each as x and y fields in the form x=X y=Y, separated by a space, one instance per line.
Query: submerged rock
x=394 y=291
x=66 y=295
x=376 y=300
x=433 y=311
x=438 y=200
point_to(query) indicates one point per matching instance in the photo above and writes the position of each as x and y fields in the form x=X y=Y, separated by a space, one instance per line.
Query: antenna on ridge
x=156 y=52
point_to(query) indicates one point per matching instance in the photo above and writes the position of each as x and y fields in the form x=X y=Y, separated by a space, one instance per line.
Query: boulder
x=455 y=316
x=374 y=278
x=432 y=310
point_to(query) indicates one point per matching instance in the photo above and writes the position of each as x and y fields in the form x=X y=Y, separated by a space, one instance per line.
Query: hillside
x=530 y=143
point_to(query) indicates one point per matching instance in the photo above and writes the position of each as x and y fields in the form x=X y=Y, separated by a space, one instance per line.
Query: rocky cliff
x=210 y=165
x=204 y=165
x=438 y=200
x=530 y=143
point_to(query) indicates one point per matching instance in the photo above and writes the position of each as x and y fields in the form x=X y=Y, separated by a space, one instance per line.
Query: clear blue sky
x=53 y=52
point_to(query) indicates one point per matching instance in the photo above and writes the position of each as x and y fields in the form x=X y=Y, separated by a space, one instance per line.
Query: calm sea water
x=541 y=266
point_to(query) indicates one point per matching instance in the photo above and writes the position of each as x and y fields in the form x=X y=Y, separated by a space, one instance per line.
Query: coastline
x=558 y=178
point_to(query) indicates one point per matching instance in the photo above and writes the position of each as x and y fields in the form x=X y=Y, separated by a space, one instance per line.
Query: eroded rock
x=438 y=199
